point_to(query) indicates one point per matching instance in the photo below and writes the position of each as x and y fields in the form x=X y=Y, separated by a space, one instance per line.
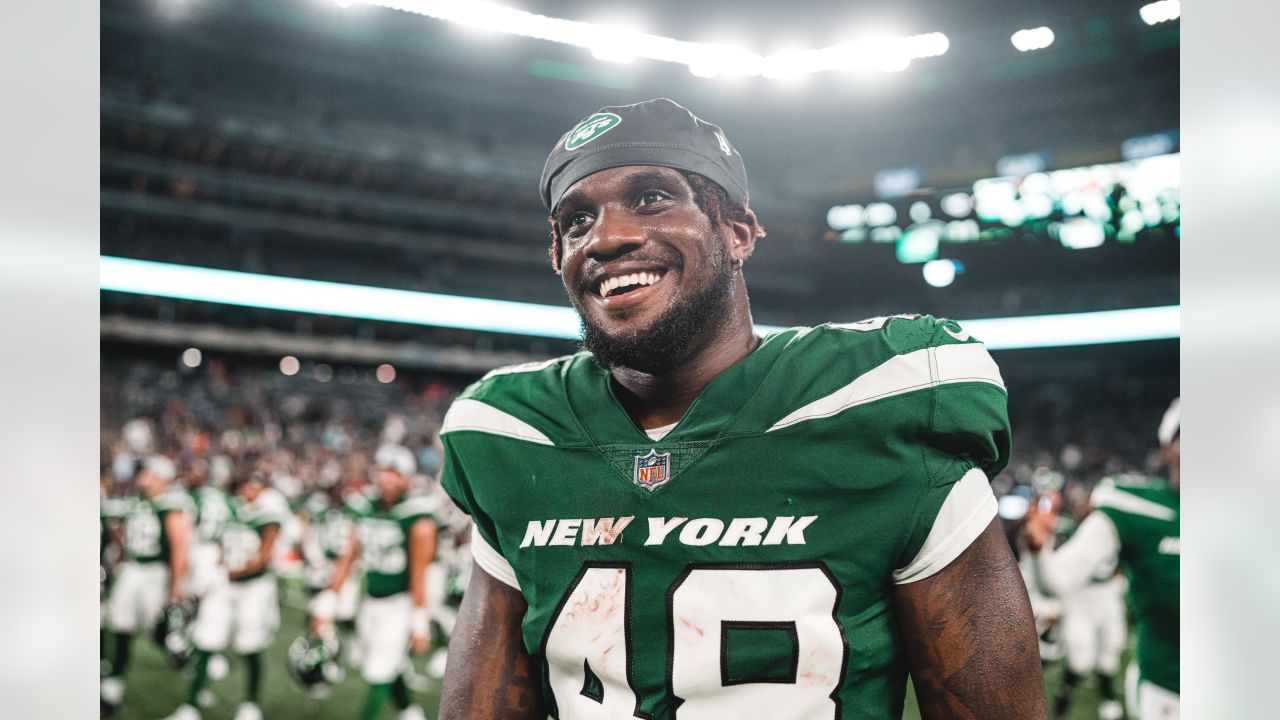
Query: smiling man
x=690 y=520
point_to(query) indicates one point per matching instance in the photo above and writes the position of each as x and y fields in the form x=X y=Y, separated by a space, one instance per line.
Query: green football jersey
x=384 y=539
x=242 y=535
x=213 y=509
x=331 y=523
x=145 y=539
x=1147 y=520
x=743 y=564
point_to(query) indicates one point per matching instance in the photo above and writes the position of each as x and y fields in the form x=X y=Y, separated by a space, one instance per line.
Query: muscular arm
x=262 y=559
x=489 y=674
x=176 y=527
x=970 y=637
x=422 y=550
x=324 y=604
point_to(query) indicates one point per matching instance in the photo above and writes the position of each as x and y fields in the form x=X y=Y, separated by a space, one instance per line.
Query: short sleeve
x=485 y=548
x=271 y=509
x=415 y=508
x=966 y=441
x=174 y=501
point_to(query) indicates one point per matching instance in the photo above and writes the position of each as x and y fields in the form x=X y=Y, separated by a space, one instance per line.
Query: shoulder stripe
x=418 y=505
x=481 y=417
x=1116 y=499
x=919 y=370
x=525 y=367
x=868 y=325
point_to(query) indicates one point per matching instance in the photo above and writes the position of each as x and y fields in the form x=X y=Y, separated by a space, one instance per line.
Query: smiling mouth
x=618 y=285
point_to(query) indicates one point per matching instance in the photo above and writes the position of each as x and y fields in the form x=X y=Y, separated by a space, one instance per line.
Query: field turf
x=153 y=689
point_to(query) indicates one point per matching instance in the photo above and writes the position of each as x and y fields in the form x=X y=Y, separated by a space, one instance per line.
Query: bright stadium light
x=703 y=59
x=1091 y=328
x=184 y=282
x=939 y=273
x=191 y=357
x=344 y=3
x=1081 y=233
x=1162 y=11
x=385 y=373
x=1032 y=39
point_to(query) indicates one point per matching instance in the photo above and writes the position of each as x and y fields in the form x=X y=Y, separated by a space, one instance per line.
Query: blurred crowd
x=301 y=432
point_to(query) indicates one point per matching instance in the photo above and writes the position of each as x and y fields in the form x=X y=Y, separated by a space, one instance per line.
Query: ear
x=554 y=250
x=744 y=231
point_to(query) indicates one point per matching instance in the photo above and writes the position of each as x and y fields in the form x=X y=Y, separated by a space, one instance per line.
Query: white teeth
x=608 y=285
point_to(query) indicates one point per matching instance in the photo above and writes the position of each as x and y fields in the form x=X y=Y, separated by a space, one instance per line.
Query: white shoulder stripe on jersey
x=901 y=374
x=491 y=560
x=522 y=368
x=965 y=513
x=485 y=418
x=417 y=505
x=1118 y=499
x=864 y=325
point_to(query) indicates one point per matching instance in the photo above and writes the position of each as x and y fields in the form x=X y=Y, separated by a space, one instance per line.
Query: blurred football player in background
x=327 y=535
x=241 y=604
x=396 y=542
x=1135 y=523
x=155 y=531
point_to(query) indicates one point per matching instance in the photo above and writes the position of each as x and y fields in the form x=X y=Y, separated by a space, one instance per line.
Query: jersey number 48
x=711 y=609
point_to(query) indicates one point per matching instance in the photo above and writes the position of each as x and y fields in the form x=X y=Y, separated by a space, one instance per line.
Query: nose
x=616 y=233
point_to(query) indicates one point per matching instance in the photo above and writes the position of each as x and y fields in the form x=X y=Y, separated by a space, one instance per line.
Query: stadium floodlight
x=184 y=282
x=1032 y=39
x=1081 y=233
x=703 y=59
x=939 y=273
x=1089 y=328
x=1162 y=11
x=328 y=298
x=344 y=3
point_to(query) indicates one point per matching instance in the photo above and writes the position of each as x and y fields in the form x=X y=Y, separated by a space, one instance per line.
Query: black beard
x=665 y=343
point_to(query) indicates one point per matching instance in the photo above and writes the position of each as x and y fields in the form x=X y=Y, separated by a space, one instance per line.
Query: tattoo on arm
x=971 y=639
x=490 y=674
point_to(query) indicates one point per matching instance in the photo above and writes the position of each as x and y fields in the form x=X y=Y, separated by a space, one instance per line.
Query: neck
x=657 y=399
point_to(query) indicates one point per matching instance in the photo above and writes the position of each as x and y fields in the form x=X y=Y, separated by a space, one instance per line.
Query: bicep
x=422 y=538
x=490 y=675
x=970 y=637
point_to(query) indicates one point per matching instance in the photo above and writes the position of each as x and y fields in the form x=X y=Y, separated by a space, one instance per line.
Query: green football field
x=153 y=689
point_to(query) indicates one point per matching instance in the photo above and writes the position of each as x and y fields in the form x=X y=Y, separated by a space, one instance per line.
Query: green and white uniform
x=247 y=605
x=142 y=585
x=741 y=565
x=213 y=510
x=328 y=531
x=383 y=625
x=1136 y=524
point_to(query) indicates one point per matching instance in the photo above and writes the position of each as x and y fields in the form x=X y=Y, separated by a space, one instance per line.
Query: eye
x=649 y=197
x=577 y=220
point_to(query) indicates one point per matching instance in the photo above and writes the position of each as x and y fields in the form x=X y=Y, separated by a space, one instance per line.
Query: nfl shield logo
x=652 y=471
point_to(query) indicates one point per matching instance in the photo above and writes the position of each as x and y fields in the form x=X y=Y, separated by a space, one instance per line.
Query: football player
x=212 y=512
x=156 y=525
x=241 y=604
x=690 y=516
x=327 y=535
x=396 y=542
x=1134 y=524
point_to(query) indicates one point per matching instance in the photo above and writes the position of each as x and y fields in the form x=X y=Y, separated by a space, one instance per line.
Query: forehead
x=621 y=179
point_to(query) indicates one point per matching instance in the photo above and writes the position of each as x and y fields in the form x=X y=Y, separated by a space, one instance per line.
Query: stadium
x=321 y=223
